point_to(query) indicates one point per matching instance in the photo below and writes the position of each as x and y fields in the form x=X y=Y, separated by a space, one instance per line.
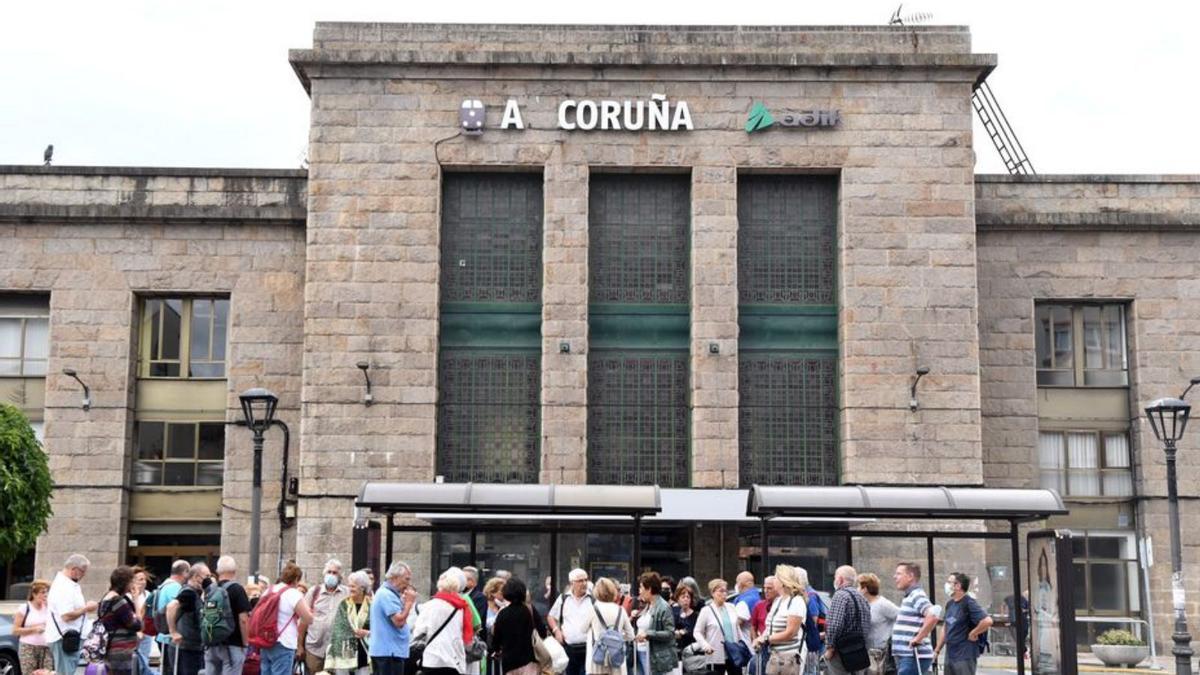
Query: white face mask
x=949 y=589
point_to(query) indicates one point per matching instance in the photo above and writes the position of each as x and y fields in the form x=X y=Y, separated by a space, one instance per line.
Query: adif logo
x=760 y=118
x=471 y=115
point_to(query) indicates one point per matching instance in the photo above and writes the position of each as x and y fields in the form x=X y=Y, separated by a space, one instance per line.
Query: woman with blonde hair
x=447 y=625
x=718 y=626
x=29 y=625
x=783 y=636
x=347 y=651
x=607 y=614
x=493 y=592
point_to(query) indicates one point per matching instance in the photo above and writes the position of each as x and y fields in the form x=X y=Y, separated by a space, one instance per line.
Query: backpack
x=814 y=626
x=609 y=650
x=149 y=624
x=95 y=645
x=159 y=609
x=216 y=617
x=264 y=621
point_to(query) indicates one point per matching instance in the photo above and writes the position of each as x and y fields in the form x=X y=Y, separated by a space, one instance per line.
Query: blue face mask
x=331 y=581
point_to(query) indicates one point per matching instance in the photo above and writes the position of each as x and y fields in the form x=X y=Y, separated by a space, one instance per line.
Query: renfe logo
x=760 y=118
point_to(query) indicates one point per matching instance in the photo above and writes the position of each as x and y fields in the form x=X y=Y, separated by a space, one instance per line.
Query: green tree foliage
x=24 y=485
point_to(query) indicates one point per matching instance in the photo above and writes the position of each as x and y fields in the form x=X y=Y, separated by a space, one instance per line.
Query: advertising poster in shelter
x=1051 y=602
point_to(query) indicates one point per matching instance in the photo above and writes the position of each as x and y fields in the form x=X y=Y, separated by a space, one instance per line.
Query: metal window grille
x=786 y=240
x=488 y=416
x=787 y=419
x=638 y=238
x=638 y=421
x=491 y=249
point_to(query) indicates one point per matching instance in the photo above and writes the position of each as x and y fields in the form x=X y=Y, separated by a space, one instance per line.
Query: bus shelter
x=849 y=512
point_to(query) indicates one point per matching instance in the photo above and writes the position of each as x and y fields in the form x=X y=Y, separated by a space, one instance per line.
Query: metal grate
x=488 y=416
x=638 y=238
x=638 y=419
x=786 y=240
x=787 y=421
x=491 y=237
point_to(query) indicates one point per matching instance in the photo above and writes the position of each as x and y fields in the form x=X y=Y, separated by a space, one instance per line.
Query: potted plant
x=1120 y=648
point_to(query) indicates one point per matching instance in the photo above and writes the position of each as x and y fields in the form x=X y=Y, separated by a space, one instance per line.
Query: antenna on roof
x=908 y=19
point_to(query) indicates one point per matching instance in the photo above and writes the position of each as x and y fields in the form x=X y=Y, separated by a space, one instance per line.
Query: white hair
x=77 y=561
x=577 y=575
x=226 y=565
x=361 y=580
x=451 y=580
x=397 y=568
x=180 y=568
x=332 y=563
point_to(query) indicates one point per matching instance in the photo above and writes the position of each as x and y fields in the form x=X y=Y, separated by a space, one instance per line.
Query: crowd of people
x=347 y=625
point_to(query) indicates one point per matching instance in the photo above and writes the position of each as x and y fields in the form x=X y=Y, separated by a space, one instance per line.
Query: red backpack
x=264 y=621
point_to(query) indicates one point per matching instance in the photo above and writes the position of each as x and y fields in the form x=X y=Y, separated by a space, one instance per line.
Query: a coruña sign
x=655 y=114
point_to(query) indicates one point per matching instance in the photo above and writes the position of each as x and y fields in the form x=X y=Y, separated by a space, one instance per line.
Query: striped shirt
x=777 y=621
x=908 y=623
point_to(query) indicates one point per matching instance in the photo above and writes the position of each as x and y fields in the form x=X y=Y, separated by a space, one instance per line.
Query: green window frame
x=184 y=337
x=1081 y=344
x=179 y=454
x=489 y=356
x=787 y=340
x=638 y=391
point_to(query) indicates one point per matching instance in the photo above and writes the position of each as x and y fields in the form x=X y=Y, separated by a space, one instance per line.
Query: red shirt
x=758 y=618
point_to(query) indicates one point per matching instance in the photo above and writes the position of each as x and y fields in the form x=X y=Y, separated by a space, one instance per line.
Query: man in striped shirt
x=910 y=636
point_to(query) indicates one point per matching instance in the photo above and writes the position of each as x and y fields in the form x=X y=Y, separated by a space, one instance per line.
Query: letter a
x=512 y=115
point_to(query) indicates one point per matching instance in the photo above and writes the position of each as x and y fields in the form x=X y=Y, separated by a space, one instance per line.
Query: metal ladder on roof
x=1000 y=131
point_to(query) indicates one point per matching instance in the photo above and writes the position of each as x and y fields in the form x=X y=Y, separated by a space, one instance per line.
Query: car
x=9 y=662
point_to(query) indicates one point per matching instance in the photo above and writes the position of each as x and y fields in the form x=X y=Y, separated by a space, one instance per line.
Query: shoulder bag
x=851 y=647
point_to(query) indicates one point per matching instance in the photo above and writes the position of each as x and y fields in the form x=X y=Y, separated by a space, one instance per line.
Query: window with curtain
x=24 y=335
x=1086 y=463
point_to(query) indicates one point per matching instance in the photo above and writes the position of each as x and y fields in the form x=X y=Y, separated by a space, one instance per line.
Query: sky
x=1095 y=87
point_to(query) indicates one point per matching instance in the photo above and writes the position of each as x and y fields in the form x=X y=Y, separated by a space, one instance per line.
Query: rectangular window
x=179 y=454
x=1106 y=580
x=1086 y=463
x=1081 y=345
x=184 y=337
x=489 y=357
x=639 y=422
x=24 y=335
x=787 y=340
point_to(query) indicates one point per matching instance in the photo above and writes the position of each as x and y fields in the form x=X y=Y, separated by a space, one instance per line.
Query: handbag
x=558 y=655
x=736 y=651
x=71 y=639
x=852 y=648
x=476 y=650
x=887 y=663
x=694 y=660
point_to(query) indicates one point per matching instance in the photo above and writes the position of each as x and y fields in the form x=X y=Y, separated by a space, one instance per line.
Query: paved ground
x=995 y=665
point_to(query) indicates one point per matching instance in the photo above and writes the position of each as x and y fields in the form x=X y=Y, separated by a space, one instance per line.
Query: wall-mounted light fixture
x=912 y=399
x=368 y=398
x=87 y=393
x=564 y=347
x=714 y=348
x=1195 y=381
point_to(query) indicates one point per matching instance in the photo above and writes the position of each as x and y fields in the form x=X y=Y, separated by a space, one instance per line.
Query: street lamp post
x=1168 y=418
x=258 y=409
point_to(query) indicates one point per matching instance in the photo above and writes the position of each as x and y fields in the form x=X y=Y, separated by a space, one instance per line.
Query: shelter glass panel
x=638 y=418
x=787 y=420
x=638 y=238
x=488 y=416
x=491 y=245
x=819 y=556
x=787 y=226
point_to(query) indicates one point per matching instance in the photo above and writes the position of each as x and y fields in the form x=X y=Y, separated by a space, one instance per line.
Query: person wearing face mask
x=324 y=599
x=183 y=619
x=966 y=623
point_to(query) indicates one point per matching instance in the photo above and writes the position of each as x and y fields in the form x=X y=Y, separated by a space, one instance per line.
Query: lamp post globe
x=258 y=410
x=1168 y=418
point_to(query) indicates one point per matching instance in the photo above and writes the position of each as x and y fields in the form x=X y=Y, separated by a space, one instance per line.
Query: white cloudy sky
x=1090 y=87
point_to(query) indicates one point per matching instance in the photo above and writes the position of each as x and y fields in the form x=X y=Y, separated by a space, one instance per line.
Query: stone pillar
x=714 y=394
x=565 y=320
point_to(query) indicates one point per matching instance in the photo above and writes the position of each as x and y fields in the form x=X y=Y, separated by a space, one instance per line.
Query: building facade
x=698 y=257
